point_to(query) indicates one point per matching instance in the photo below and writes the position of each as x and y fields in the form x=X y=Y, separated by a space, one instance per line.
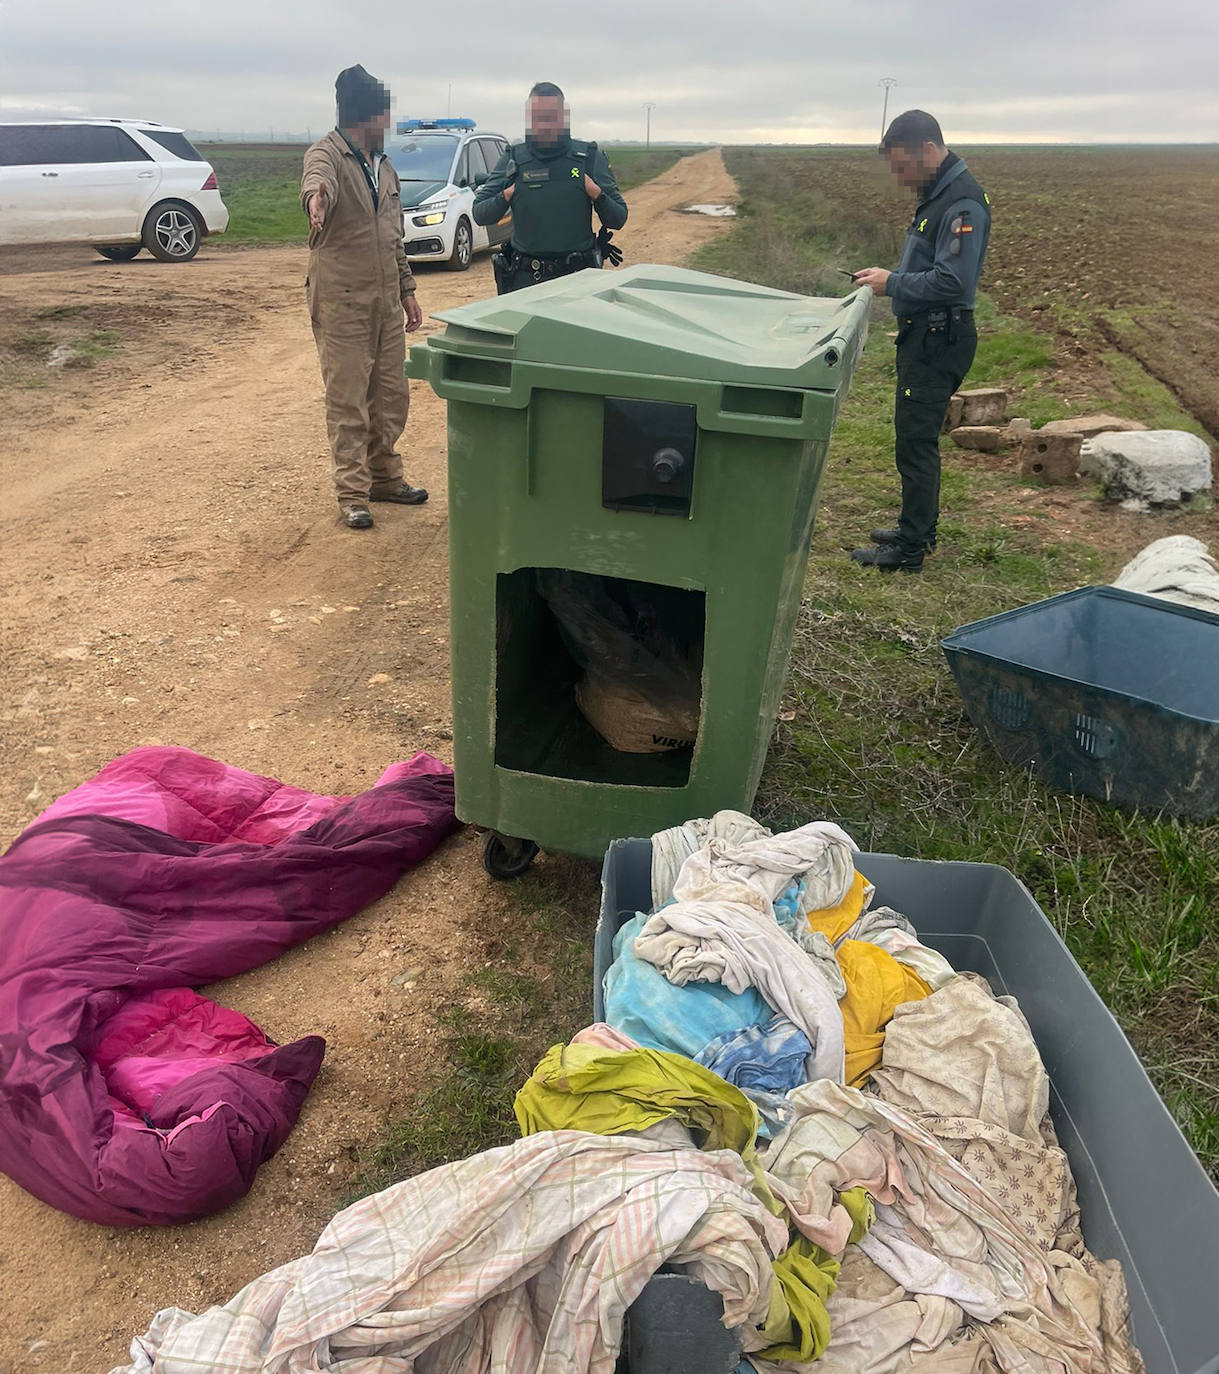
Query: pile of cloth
x=792 y=1100
x=1177 y=568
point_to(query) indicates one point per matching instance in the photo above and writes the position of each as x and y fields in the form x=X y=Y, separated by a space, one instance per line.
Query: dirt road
x=174 y=571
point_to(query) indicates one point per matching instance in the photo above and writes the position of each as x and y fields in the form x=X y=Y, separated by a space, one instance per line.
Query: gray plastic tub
x=1144 y=1197
x=1100 y=691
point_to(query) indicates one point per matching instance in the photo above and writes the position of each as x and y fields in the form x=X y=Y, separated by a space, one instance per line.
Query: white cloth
x=518 y=1260
x=1178 y=569
x=671 y=848
x=721 y=927
x=1049 y=1304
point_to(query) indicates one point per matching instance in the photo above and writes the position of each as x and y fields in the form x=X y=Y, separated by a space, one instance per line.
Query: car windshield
x=423 y=159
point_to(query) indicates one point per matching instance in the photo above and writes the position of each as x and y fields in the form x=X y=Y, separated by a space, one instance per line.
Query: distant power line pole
x=888 y=83
x=648 y=108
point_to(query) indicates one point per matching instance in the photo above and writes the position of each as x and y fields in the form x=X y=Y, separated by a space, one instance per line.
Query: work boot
x=892 y=536
x=889 y=558
x=358 y=517
x=405 y=495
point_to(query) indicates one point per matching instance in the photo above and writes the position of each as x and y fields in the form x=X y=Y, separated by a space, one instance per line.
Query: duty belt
x=954 y=312
x=548 y=264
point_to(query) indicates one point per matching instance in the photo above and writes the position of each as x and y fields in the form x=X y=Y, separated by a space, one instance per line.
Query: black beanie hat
x=360 y=97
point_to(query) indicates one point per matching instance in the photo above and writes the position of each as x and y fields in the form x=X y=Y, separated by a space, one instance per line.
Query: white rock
x=1156 y=465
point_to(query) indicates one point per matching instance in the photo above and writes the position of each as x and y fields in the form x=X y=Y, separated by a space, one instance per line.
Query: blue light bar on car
x=409 y=126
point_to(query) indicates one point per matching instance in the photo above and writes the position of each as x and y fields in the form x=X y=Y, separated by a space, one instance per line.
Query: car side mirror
x=481 y=178
x=463 y=183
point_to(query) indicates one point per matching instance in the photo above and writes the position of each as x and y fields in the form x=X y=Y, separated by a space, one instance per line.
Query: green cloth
x=618 y=1092
x=797 y=1325
x=862 y=1211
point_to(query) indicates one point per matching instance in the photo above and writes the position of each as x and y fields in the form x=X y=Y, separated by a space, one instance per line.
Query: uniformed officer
x=359 y=288
x=933 y=298
x=552 y=183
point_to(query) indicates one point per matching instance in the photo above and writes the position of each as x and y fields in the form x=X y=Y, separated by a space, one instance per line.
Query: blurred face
x=377 y=129
x=547 y=119
x=914 y=170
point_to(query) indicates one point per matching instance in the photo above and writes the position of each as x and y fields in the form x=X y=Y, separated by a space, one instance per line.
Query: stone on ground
x=985 y=438
x=1160 y=466
x=1052 y=458
x=985 y=406
x=1089 y=426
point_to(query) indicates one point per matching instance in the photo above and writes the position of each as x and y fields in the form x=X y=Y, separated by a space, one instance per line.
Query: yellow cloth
x=876 y=986
x=587 y=1088
x=834 y=921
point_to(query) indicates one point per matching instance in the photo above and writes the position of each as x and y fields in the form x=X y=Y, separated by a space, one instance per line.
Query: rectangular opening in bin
x=757 y=400
x=574 y=647
x=479 y=371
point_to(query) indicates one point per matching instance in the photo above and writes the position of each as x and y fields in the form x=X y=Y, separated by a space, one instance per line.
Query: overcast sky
x=772 y=71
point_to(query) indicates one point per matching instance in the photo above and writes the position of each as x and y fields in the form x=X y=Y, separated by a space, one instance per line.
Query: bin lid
x=666 y=322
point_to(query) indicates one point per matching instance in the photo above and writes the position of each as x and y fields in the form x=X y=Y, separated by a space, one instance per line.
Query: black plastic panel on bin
x=647 y=456
x=1144 y=1197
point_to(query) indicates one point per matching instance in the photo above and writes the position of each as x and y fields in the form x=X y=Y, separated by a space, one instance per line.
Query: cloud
x=792 y=70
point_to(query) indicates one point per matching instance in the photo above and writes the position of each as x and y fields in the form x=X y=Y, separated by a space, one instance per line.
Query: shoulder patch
x=985 y=197
x=922 y=227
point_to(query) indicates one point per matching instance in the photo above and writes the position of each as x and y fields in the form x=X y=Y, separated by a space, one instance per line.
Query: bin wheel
x=504 y=857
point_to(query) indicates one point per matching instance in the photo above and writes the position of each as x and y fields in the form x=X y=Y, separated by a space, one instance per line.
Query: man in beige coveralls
x=358 y=287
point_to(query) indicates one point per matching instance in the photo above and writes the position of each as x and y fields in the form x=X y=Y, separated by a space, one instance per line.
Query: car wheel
x=172 y=233
x=463 y=246
x=118 y=252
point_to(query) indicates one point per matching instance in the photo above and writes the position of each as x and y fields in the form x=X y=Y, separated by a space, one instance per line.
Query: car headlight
x=436 y=217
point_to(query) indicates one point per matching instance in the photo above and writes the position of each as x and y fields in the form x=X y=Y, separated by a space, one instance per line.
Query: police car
x=440 y=163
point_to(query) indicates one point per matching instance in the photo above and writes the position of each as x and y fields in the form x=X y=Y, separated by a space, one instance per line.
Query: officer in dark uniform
x=552 y=183
x=933 y=298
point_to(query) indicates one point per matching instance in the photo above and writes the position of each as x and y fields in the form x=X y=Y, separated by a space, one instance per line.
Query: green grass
x=877 y=737
x=634 y=166
x=261 y=185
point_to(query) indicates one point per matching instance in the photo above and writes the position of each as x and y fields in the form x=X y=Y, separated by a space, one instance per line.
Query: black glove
x=610 y=252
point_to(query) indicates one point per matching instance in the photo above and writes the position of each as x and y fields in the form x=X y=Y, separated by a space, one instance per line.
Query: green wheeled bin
x=634 y=459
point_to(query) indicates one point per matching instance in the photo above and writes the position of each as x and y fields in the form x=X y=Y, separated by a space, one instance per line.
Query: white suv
x=119 y=184
x=440 y=162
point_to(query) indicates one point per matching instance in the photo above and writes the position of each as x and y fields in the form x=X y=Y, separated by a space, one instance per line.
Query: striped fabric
x=524 y=1258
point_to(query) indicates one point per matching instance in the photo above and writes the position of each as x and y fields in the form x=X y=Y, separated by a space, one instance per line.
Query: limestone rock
x=1089 y=426
x=1156 y=465
x=956 y=407
x=986 y=406
x=1052 y=458
x=984 y=438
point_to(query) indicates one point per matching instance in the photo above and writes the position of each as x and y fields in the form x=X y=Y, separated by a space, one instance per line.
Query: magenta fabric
x=127 y=1098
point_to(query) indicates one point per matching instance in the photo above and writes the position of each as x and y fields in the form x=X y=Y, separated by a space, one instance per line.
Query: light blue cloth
x=642 y=1003
x=789 y=905
x=765 y=1062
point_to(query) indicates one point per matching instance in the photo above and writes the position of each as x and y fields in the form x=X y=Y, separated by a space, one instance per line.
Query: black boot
x=358 y=518
x=890 y=558
x=893 y=536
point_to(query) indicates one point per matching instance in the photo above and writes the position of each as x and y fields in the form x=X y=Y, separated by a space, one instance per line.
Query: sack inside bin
x=641 y=688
